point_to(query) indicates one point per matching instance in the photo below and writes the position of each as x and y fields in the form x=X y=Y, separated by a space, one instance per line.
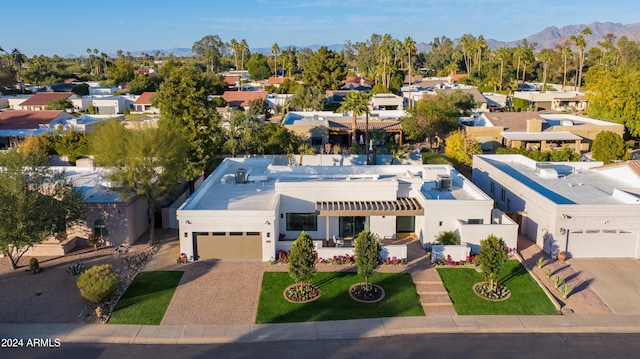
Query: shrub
x=493 y=255
x=547 y=273
x=98 y=283
x=540 y=262
x=75 y=268
x=557 y=281
x=447 y=238
x=34 y=266
x=302 y=259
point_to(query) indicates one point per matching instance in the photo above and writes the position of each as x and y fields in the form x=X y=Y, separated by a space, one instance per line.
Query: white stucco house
x=583 y=208
x=249 y=209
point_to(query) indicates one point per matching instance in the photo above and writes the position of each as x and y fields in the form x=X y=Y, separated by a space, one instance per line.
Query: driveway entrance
x=615 y=280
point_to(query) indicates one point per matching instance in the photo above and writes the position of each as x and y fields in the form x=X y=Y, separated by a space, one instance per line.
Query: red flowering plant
x=283 y=257
x=182 y=258
x=448 y=261
x=392 y=261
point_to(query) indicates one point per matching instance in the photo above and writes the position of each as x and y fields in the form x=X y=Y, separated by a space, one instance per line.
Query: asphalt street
x=441 y=346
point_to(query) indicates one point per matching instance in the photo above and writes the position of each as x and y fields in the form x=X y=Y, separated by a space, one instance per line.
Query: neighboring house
x=278 y=100
x=15 y=125
x=325 y=127
x=387 y=101
x=277 y=81
x=552 y=100
x=249 y=209
x=231 y=81
x=15 y=101
x=102 y=90
x=107 y=214
x=40 y=100
x=143 y=103
x=111 y=105
x=583 y=208
x=479 y=100
x=237 y=99
x=496 y=102
x=533 y=130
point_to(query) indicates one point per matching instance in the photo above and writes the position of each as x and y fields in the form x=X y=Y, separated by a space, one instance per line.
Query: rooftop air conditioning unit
x=241 y=175
x=444 y=183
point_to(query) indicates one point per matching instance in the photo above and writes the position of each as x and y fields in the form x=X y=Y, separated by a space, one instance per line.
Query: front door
x=350 y=227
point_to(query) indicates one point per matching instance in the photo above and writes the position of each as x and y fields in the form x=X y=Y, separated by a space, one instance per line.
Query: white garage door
x=599 y=244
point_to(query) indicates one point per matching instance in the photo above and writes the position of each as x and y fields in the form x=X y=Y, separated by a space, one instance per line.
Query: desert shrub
x=34 y=266
x=98 y=283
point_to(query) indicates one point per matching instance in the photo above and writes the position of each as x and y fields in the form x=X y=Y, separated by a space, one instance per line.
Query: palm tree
x=357 y=103
x=305 y=149
x=410 y=46
x=95 y=54
x=480 y=45
x=566 y=52
x=398 y=152
x=502 y=54
x=235 y=45
x=545 y=57
x=89 y=59
x=18 y=59
x=275 y=50
x=243 y=47
x=468 y=47
x=581 y=43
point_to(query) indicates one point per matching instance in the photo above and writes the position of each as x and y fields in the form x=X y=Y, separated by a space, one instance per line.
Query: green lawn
x=527 y=298
x=146 y=299
x=401 y=298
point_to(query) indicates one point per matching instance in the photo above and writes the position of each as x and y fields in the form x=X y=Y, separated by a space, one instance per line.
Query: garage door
x=601 y=244
x=229 y=246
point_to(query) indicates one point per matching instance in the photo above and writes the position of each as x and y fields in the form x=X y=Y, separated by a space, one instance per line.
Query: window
x=100 y=229
x=405 y=224
x=493 y=188
x=316 y=141
x=475 y=221
x=302 y=222
x=236 y=233
x=503 y=195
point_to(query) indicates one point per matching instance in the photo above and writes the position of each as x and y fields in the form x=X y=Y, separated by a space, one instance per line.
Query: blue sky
x=70 y=26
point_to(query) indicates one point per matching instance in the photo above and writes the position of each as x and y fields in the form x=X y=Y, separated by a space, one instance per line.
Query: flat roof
x=575 y=184
x=540 y=136
x=221 y=192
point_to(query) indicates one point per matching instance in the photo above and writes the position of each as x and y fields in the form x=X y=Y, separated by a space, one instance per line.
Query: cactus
x=565 y=290
x=75 y=268
x=540 y=262
x=557 y=281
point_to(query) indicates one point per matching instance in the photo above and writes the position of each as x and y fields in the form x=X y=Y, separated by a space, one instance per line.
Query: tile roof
x=145 y=98
x=278 y=80
x=513 y=121
x=43 y=98
x=477 y=95
x=633 y=165
x=231 y=80
x=242 y=98
x=18 y=120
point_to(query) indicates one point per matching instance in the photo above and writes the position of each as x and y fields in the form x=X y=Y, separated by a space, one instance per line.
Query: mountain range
x=547 y=38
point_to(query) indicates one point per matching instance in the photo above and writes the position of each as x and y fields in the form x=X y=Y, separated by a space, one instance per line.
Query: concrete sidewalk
x=349 y=329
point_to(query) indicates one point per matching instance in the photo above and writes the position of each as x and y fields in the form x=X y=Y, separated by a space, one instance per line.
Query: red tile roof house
x=277 y=81
x=40 y=100
x=231 y=81
x=143 y=103
x=237 y=99
x=15 y=125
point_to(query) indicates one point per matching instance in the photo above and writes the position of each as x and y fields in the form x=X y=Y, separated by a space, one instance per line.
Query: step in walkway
x=433 y=295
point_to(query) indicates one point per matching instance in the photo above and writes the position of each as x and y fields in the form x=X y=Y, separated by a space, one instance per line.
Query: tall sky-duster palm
x=234 y=46
x=275 y=50
x=581 y=44
x=409 y=46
